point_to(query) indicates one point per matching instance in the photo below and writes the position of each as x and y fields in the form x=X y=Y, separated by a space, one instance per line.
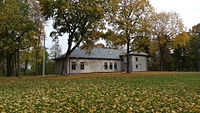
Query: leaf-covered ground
x=111 y=92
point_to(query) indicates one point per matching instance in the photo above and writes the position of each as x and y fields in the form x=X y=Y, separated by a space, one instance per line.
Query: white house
x=102 y=60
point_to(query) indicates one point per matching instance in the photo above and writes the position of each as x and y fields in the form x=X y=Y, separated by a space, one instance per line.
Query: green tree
x=181 y=40
x=81 y=20
x=2 y=63
x=15 y=29
x=129 y=22
x=180 y=48
x=141 y=44
x=26 y=58
x=39 y=21
x=164 y=27
x=32 y=64
x=194 y=47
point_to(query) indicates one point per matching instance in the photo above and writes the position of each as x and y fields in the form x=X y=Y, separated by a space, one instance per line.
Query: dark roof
x=100 y=53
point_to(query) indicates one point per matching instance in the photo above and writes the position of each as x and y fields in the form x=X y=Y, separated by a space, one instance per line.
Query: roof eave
x=88 y=58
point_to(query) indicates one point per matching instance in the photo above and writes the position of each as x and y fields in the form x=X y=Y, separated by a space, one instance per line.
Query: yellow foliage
x=181 y=40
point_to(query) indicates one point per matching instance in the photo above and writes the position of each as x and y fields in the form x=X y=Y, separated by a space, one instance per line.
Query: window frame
x=115 y=65
x=136 y=58
x=110 y=65
x=82 y=65
x=73 y=66
x=136 y=66
x=105 y=65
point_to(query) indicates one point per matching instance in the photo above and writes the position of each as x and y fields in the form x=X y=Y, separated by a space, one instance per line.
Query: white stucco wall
x=97 y=65
x=94 y=65
x=142 y=63
x=90 y=65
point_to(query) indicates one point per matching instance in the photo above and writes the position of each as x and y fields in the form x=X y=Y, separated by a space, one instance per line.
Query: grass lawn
x=102 y=92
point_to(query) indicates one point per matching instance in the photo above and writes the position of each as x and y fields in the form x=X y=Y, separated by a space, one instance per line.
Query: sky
x=188 y=10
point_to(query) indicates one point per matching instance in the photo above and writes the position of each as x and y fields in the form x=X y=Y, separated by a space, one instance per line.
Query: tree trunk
x=161 y=59
x=25 y=68
x=161 y=62
x=10 y=65
x=65 y=64
x=196 y=64
x=128 y=54
x=17 y=63
x=37 y=54
x=3 y=66
x=36 y=62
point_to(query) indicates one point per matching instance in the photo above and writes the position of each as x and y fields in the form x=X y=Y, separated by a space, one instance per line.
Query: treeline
x=130 y=24
x=21 y=36
x=182 y=52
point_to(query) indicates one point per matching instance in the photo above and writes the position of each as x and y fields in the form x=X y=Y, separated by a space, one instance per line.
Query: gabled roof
x=100 y=53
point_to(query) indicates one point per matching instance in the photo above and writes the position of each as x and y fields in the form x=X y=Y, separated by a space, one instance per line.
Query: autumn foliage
x=102 y=92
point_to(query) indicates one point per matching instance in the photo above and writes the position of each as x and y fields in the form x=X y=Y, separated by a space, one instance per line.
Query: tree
x=2 y=63
x=181 y=40
x=141 y=44
x=194 y=47
x=81 y=20
x=26 y=58
x=55 y=50
x=16 y=28
x=128 y=22
x=39 y=63
x=164 y=27
x=37 y=17
x=180 y=47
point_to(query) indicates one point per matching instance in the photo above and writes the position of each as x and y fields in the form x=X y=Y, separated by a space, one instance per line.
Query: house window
x=115 y=65
x=105 y=65
x=110 y=65
x=136 y=66
x=73 y=65
x=136 y=59
x=82 y=66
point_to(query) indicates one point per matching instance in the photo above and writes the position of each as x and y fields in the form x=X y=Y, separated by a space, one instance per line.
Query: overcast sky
x=188 y=10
